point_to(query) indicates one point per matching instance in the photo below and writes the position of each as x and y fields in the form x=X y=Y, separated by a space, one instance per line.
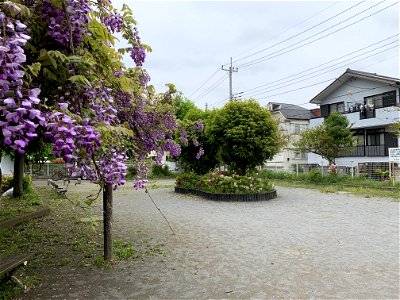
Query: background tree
x=192 y=136
x=246 y=135
x=328 y=139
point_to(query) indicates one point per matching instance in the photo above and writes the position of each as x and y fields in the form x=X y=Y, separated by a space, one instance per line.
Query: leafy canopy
x=328 y=139
x=246 y=135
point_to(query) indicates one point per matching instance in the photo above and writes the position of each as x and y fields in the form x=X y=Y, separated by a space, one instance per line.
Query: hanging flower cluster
x=19 y=117
x=113 y=22
x=64 y=22
x=138 y=54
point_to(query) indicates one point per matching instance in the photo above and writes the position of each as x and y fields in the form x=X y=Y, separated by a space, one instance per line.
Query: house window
x=327 y=109
x=336 y=107
x=300 y=155
x=382 y=100
x=297 y=128
x=375 y=137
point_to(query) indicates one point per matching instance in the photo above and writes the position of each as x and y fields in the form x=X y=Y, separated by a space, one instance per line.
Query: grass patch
x=365 y=191
x=11 y=207
x=61 y=240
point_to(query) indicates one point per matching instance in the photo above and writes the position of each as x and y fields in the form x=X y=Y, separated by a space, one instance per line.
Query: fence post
x=47 y=170
x=297 y=169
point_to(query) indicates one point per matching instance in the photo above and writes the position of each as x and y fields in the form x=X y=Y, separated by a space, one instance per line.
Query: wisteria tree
x=62 y=81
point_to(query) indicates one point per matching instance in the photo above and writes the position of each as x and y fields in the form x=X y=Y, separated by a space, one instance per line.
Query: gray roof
x=291 y=111
x=390 y=81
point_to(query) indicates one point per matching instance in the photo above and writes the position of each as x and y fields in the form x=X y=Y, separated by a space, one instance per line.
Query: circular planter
x=228 y=197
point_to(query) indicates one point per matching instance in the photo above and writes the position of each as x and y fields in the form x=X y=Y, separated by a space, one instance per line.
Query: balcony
x=360 y=151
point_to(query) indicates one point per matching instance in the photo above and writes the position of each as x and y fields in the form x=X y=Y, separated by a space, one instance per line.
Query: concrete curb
x=41 y=212
x=228 y=197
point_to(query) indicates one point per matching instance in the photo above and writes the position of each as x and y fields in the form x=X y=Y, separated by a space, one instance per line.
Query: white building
x=371 y=104
x=292 y=119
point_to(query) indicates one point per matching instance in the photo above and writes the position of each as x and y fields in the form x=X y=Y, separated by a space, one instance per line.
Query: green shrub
x=160 y=171
x=315 y=176
x=7 y=183
x=225 y=183
x=131 y=172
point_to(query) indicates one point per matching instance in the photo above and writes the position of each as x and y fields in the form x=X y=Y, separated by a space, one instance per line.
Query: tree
x=184 y=106
x=246 y=135
x=63 y=81
x=199 y=155
x=328 y=139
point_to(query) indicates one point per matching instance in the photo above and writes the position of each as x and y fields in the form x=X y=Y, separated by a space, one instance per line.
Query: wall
x=7 y=165
x=355 y=89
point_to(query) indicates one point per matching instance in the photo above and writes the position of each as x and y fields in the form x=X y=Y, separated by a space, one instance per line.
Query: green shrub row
x=315 y=176
x=224 y=183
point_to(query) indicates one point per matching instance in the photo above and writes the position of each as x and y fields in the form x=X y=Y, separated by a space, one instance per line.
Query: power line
x=204 y=83
x=320 y=74
x=300 y=88
x=271 y=55
x=294 y=26
x=304 y=31
x=320 y=65
x=268 y=89
x=211 y=88
x=339 y=96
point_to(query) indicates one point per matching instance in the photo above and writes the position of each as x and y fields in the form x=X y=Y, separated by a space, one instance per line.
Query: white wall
x=355 y=89
x=7 y=165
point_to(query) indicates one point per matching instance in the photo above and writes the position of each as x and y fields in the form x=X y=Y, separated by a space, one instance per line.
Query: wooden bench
x=10 y=264
x=55 y=186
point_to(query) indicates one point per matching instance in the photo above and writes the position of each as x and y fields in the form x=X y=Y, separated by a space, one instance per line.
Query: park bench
x=10 y=264
x=55 y=186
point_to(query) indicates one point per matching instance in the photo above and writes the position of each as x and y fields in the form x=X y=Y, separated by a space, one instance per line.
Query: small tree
x=246 y=135
x=198 y=154
x=328 y=139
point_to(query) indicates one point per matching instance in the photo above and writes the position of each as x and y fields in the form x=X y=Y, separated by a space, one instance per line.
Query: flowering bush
x=224 y=183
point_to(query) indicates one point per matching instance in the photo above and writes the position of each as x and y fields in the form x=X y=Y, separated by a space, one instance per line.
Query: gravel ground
x=303 y=244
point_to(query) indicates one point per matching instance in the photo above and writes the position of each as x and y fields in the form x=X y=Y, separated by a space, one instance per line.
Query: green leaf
x=79 y=79
x=35 y=69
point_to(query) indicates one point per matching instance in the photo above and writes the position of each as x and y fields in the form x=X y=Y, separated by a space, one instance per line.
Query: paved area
x=303 y=244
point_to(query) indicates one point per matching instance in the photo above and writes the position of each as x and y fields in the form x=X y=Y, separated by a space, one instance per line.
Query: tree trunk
x=18 y=175
x=107 y=220
x=1 y=174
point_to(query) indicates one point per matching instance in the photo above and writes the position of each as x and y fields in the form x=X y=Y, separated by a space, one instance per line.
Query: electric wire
x=212 y=87
x=207 y=80
x=328 y=62
x=269 y=89
x=279 y=34
x=271 y=55
x=302 y=32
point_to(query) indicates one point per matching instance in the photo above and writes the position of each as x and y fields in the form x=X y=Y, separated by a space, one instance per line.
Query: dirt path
x=303 y=244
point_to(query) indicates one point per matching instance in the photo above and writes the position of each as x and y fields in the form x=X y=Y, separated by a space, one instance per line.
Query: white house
x=371 y=104
x=292 y=119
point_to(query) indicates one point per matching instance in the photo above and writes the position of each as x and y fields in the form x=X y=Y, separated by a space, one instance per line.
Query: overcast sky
x=191 y=40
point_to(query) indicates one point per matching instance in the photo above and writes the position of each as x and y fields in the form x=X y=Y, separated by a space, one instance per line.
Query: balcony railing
x=360 y=151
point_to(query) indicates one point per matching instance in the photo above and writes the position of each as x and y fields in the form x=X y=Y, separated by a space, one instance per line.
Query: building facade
x=292 y=119
x=371 y=103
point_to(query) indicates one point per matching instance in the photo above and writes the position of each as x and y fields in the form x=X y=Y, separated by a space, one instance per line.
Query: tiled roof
x=292 y=111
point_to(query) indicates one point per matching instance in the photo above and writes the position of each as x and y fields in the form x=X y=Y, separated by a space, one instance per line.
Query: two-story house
x=292 y=119
x=371 y=104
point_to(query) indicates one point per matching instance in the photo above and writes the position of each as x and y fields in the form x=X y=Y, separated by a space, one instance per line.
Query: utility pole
x=230 y=70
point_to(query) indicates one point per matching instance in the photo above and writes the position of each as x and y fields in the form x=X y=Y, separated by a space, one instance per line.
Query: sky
x=283 y=51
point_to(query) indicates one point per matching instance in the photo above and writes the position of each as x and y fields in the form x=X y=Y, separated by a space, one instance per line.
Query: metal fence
x=47 y=170
x=374 y=171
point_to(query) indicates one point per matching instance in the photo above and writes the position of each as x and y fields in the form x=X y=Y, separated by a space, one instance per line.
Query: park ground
x=303 y=244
